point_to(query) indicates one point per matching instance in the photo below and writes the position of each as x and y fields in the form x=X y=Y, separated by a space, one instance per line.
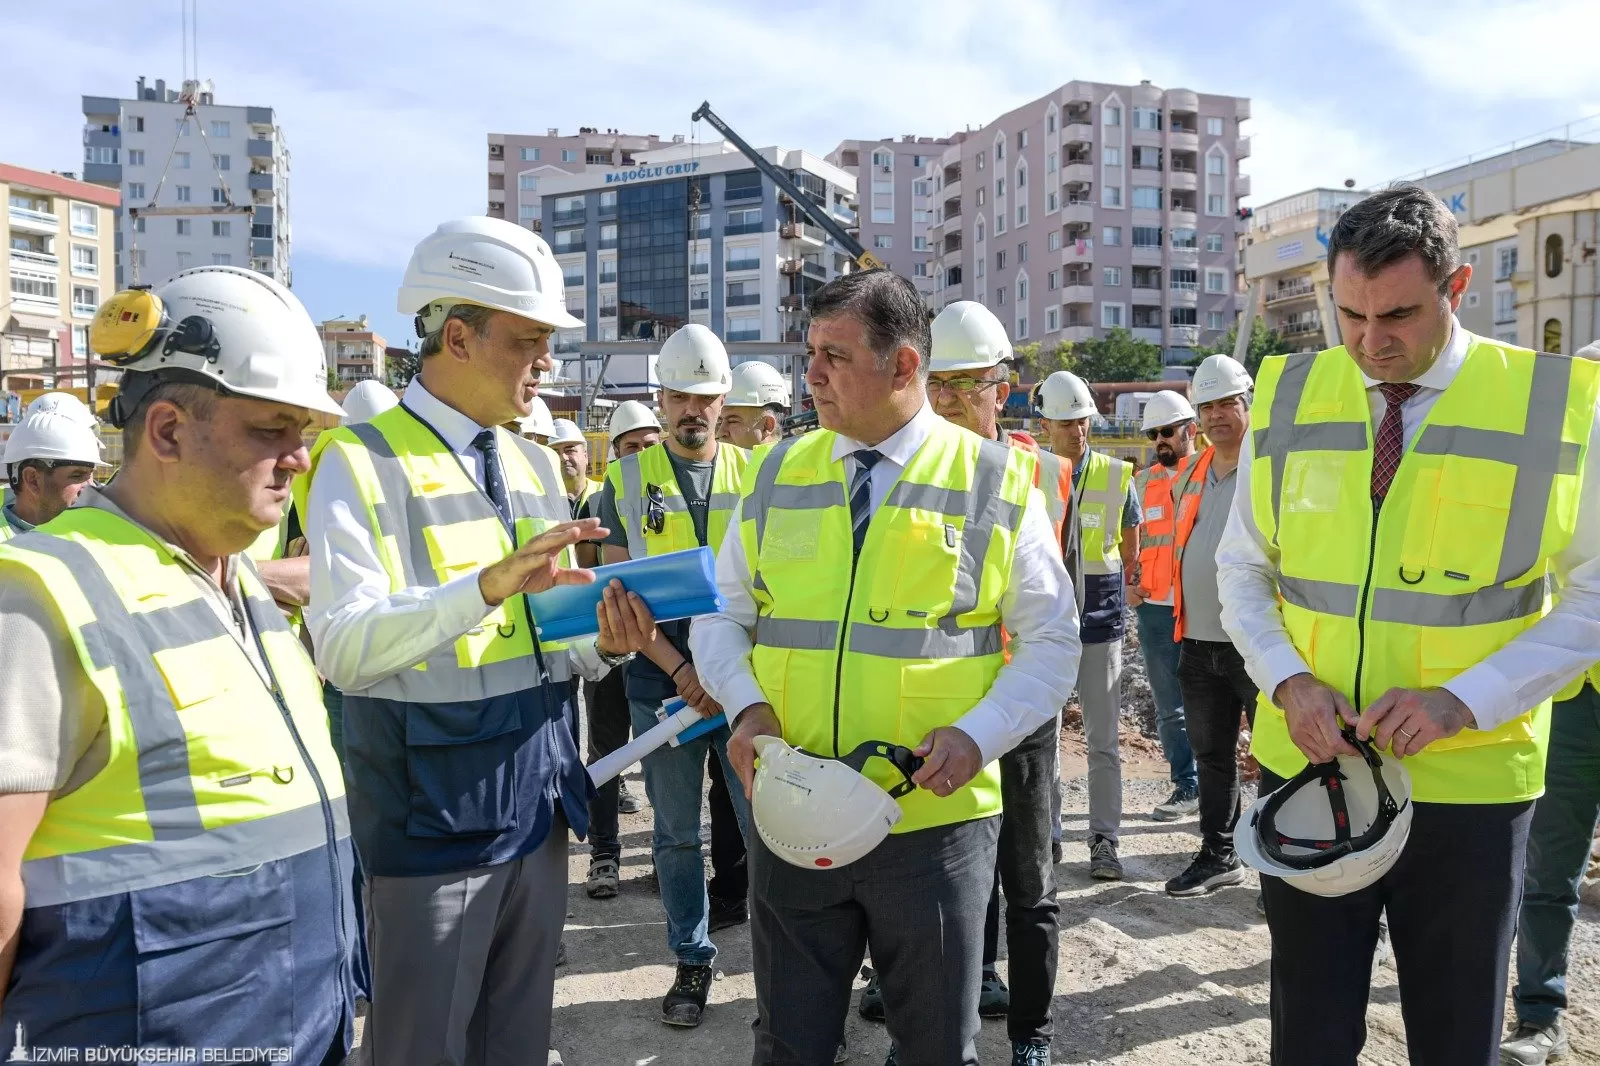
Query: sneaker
x=1055 y=852
x=1208 y=872
x=893 y=1058
x=602 y=880
x=842 y=1052
x=685 y=1001
x=1103 y=862
x=1534 y=1045
x=1181 y=804
x=1027 y=1053
x=627 y=802
x=994 y=998
x=726 y=913
x=871 y=1005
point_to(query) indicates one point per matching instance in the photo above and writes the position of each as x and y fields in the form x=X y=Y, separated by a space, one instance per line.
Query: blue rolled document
x=676 y=585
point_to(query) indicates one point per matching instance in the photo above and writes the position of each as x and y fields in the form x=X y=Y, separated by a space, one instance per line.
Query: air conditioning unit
x=792 y=303
x=887 y=169
x=790 y=230
x=790 y=266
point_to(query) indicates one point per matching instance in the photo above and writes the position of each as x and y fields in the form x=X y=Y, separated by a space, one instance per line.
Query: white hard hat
x=1219 y=377
x=756 y=384
x=538 y=420
x=819 y=813
x=485 y=261
x=565 y=431
x=630 y=415
x=1333 y=829
x=233 y=329
x=62 y=403
x=693 y=360
x=1064 y=397
x=47 y=435
x=1588 y=351
x=1165 y=409
x=968 y=336
x=367 y=400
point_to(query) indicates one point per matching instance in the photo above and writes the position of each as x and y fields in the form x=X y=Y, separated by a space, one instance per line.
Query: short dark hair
x=889 y=307
x=475 y=316
x=199 y=400
x=1404 y=219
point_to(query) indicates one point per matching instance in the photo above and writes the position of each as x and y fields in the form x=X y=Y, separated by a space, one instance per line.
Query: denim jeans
x=1160 y=653
x=674 y=779
x=1564 y=822
x=1216 y=692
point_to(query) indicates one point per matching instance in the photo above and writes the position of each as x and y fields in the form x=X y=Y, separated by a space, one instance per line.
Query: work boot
x=685 y=1001
x=871 y=1005
x=1028 y=1053
x=1534 y=1045
x=627 y=802
x=727 y=912
x=994 y=998
x=602 y=880
x=1181 y=804
x=1103 y=862
x=1209 y=871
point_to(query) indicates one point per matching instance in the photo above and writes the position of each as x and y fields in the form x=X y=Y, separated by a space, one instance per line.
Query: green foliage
x=1263 y=342
x=1036 y=363
x=1118 y=356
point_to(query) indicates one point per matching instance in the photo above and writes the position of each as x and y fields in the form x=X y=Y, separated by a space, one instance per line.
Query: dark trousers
x=1216 y=692
x=610 y=721
x=1033 y=931
x=1564 y=822
x=917 y=901
x=1452 y=903
x=730 y=875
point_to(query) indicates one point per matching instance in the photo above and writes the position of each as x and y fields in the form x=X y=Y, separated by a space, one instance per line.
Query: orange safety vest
x=1057 y=490
x=1186 y=492
x=1156 y=537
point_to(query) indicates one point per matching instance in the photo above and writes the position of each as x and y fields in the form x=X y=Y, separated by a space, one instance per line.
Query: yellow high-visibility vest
x=912 y=639
x=1458 y=561
x=1103 y=492
x=646 y=489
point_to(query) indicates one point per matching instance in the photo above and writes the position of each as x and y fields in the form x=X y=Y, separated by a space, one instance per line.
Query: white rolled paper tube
x=606 y=767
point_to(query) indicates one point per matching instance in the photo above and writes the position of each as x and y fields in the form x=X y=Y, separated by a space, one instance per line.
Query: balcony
x=608 y=310
x=1241 y=148
x=699 y=303
x=1077 y=333
x=1189 y=256
x=83 y=310
x=28 y=220
x=744 y=227
x=1241 y=109
x=1183 y=140
x=1183 y=100
x=1295 y=290
x=735 y=266
x=1185 y=336
x=1077 y=93
x=952 y=242
x=568 y=247
x=1152 y=334
x=1077 y=174
x=952 y=208
x=798 y=231
x=746 y=192
x=814 y=270
x=84 y=270
x=1077 y=212
x=1182 y=216
x=256 y=181
x=1077 y=133
x=257 y=148
x=569 y=218
x=103 y=173
x=1077 y=294
x=35 y=305
x=745 y=299
x=699 y=268
x=1184 y=294
x=1146 y=254
x=1183 y=180
x=1300 y=327
x=36 y=260
x=1241 y=185
x=1077 y=252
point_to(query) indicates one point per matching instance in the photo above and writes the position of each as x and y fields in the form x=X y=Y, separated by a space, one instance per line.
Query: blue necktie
x=861 y=496
x=494 y=481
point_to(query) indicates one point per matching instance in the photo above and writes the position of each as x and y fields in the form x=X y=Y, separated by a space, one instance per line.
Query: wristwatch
x=613 y=661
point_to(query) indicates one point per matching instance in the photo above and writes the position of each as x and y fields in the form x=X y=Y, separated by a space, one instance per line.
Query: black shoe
x=1055 y=852
x=627 y=802
x=1103 y=862
x=685 y=1001
x=842 y=1052
x=893 y=1058
x=994 y=998
x=1208 y=872
x=871 y=1005
x=1027 y=1053
x=726 y=913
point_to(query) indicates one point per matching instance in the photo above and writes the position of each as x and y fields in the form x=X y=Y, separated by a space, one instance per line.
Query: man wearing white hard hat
x=1169 y=422
x=50 y=458
x=633 y=428
x=1216 y=688
x=172 y=816
x=1413 y=554
x=674 y=496
x=53 y=403
x=969 y=380
x=429 y=527
x=572 y=448
x=1102 y=556
x=754 y=409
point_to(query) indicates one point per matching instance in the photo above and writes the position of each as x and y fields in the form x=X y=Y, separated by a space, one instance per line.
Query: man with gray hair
x=891 y=548
x=1389 y=573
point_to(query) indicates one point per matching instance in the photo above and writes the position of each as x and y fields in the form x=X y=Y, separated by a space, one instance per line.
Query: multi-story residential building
x=517 y=163
x=201 y=182
x=895 y=221
x=1285 y=251
x=1093 y=207
x=353 y=350
x=57 y=255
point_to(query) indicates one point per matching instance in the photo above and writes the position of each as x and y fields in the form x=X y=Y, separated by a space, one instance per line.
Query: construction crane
x=813 y=211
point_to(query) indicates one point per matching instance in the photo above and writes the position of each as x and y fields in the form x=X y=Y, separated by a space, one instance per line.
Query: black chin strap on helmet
x=1331 y=778
x=898 y=755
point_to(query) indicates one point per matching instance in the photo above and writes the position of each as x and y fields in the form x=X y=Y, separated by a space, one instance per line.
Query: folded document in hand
x=676 y=585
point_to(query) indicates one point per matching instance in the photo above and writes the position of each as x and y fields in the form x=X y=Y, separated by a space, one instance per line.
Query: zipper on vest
x=844 y=631
x=1361 y=607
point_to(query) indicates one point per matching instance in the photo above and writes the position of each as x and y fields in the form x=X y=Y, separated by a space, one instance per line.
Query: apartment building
x=354 y=352
x=57 y=255
x=894 y=223
x=517 y=163
x=1285 y=250
x=1096 y=206
x=201 y=182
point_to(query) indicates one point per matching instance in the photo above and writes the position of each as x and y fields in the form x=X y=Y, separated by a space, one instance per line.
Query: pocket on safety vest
x=1470 y=516
x=461 y=762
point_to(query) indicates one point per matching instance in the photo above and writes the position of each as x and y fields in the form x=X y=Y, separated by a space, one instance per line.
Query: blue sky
x=385 y=103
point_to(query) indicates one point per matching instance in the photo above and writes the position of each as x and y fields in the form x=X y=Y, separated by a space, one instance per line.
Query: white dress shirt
x=363 y=632
x=1526 y=671
x=1037 y=609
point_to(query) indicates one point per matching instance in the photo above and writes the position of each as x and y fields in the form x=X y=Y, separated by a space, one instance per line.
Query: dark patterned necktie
x=861 y=495
x=494 y=481
x=1390 y=443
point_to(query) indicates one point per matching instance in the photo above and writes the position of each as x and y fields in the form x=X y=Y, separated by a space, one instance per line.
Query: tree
x=1118 y=356
x=400 y=366
x=1035 y=362
x=1264 y=341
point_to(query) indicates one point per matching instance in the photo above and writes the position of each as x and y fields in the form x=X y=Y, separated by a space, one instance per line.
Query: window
x=1213 y=164
x=1552 y=269
x=743 y=259
x=107 y=156
x=919 y=243
x=608 y=200
x=1505 y=264
x=999 y=223
x=183 y=260
x=1183 y=316
x=135 y=123
x=1050 y=162
x=883 y=159
x=1052 y=281
x=569 y=155
x=222 y=162
x=85 y=298
x=1552 y=334
x=1145 y=158
x=572 y=274
x=1053 y=241
x=979 y=271
x=1146 y=118
x=528 y=212
x=1147 y=196
x=1182 y=238
x=80 y=340
x=1022 y=140
x=1213 y=127
x=1000 y=259
x=999 y=151
x=1050 y=122
x=1183 y=279
x=1147 y=236
x=1214 y=204
x=1215 y=320
x=921 y=216
x=1472 y=299
x=1111 y=276
x=138 y=225
x=1506 y=336
x=1022 y=252
x=1022 y=214
x=744 y=328
x=528 y=182
x=85 y=260
x=980 y=229
x=744 y=220
x=222 y=229
x=882 y=200
x=184 y=194
x=1216 y=281
x=136 y=190
x=1022 y=290
x=219 y=195
x=919 y=270
x=1000 y=297
x=184 y=227
x=922 y=187
x=999 y=187
x=608 y=235
x=180 y=160
x=1213 y=242
x=981 y=195
x=1022 y=326
x=1052 y=320
x=1112 y=196
x=182 y=125
x=1111 y=157
x=919 y=161
x=221 y=259
x=136 y=157
x=1111 y=115
x=980 y=160
x=1022 y=176
x=700 y=263
x=1110 y=316
x=882 y=240
x=530 y=155
x=1505 y=306
x=1111 y=236
x=37 y=286
x=744 y=293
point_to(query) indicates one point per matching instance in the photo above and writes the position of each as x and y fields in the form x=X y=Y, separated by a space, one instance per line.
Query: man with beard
x=1169 y=423
x=572 y=448
x=674 y=496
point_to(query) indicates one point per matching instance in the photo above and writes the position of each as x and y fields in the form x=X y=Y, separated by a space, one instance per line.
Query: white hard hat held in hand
x=693 y=360
x=1166 y=409
x=488 y=262
x=757 y=384
x=968 y=336
x=1219 y=377
x=1065 y=397
x=55 y=437
x=367 y=400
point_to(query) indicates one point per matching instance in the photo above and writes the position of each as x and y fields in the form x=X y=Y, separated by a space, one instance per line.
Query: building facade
x=517 y=163
x=1285 y=254
x=354 y=352
x=1096 y=206
x=896 y=195
x=202 y=183
x=58 y=258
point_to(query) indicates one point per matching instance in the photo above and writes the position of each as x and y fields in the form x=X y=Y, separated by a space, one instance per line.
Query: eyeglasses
x=960 y=386
x=655 y=515
x=1165 y=432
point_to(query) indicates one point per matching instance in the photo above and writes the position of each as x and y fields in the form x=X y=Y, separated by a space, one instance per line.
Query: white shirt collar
x=1445 y=367
x=456 y=428
x=900 y=445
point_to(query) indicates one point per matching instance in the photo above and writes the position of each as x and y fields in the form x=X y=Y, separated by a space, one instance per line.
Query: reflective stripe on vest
x=1154 y=485
x=589 y=488
x=912 y=640
x=1101 y=498
x=1458 y=563
x=435 y=524
x=204 y=771
x=632 y=475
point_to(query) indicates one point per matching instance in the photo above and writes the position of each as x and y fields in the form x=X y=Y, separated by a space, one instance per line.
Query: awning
x=39 y=323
